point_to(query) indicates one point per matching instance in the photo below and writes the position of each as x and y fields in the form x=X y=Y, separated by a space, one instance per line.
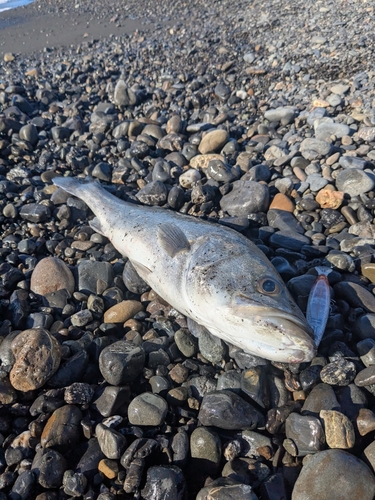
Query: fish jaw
x=269 y=333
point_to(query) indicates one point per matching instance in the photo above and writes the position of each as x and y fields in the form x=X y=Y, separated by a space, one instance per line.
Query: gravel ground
x=258 y=116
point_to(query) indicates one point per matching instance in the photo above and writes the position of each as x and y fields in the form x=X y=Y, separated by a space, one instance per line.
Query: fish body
x=319 y=304
x=210 y=273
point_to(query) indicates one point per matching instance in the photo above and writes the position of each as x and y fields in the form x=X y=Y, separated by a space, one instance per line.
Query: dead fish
x=210 y=273
x=319 y=303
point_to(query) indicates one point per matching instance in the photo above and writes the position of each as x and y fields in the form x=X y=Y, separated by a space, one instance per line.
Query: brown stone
x=213 y=141
x=108 y=467
x=368 y=270
x=282 y=202
x=8 y=57
x=51 y=274
x=200 y=162
x=174 y=125
x=38 y=356
x=330 y=199
x=339 y=430
x=63 y=428
x=320 y=103
x=365 y=421
x=123 y=311
x=179 y=373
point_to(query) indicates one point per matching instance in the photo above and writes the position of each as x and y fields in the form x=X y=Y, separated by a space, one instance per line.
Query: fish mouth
x=297 y=336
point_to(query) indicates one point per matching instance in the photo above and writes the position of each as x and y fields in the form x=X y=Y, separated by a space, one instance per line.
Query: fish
x=319 y=304
x=208 y=272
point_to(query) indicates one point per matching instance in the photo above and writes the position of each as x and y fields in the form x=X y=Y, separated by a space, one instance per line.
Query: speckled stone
x=339 y=430
x=37 y=356
x=51 y=274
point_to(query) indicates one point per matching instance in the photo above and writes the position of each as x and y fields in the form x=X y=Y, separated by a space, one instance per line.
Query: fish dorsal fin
x=96 y=226
x=172 y=239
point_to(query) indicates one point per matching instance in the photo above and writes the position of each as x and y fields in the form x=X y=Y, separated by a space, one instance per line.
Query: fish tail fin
x=70 y=185
x=323 y=270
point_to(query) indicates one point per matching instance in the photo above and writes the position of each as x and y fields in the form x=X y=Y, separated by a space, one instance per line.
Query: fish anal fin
x=172 y=239
x=96 y=226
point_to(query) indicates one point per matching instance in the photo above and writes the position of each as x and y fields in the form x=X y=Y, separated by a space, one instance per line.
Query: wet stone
x=63 y=428
x=339 y=430
x=121 y=362
x=323 y=472
x=306 y=433
x=230 y=380
x=147 y=409
x=33 y=212
x=226 y=487
x=154 y=193
x=37 y=357
x=164 y=482
x=289 y=239
x=74 y=483
x=351 y=399
x=227 y=410
x=132 y=280
x=49 y=467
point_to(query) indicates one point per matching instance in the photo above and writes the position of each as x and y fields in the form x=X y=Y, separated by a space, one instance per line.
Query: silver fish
x=210 y=273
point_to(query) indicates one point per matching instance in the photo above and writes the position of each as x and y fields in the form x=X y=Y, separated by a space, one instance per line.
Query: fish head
x=246 y=303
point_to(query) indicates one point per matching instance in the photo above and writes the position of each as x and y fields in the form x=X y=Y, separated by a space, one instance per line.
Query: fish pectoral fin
x=172 y=239
x=141 y=269
x=96 y=226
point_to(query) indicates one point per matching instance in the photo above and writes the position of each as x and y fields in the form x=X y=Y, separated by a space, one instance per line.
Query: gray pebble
x=147 y=409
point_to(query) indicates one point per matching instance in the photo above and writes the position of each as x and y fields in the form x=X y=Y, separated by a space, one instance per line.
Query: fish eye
x=268 y=286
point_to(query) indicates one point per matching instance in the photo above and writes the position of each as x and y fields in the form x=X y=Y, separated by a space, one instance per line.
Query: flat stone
x=147 y=409
x=37 y=357
x=227 y=410
x=226 y=488
x=352 y=162
x=339 y=430
x=89 y=272
x=323 y=472
x=289 y=239
x=34 y=212
x=365 y=377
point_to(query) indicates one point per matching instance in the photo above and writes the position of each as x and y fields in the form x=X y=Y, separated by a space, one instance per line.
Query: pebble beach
x=259 y=116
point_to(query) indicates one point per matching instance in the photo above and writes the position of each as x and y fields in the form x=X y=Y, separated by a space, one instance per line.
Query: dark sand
x=42 y=25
